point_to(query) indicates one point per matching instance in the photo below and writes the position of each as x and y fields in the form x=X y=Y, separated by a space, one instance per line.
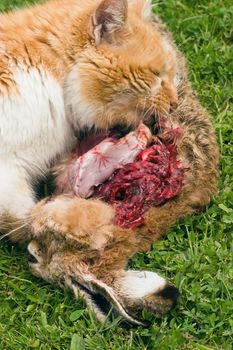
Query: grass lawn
x=197 y=254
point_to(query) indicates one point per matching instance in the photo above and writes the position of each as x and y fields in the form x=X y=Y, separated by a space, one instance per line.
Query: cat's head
x=127 y=70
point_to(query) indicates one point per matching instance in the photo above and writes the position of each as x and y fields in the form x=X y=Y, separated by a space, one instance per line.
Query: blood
x=154 y=177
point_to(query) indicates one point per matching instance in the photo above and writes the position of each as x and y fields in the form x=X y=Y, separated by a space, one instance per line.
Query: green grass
x=197 y=254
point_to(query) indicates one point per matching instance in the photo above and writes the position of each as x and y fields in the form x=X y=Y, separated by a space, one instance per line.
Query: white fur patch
x=33 y=131
x=33 y=125
x=79 y=110
x=139 y=284
x=16 y=196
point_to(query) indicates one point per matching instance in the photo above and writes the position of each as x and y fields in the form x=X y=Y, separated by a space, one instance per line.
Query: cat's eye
x=155 y=72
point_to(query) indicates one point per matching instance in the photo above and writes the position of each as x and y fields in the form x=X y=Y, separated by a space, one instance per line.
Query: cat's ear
x=143 y=8
x=109 y=18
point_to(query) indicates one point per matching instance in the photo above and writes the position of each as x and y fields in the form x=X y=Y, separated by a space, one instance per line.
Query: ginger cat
x=67 y=65
x=70 y=64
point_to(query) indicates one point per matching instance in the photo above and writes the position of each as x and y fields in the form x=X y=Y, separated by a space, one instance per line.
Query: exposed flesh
x=133 y=173
x=152 y=179
x=97 y=165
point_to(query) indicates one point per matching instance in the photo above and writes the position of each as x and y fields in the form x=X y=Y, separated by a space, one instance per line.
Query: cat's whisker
x=182 y=87
x=141 y=107
x=144 y=107
x=151 y=110
x=137 y=107
x=146 y=111
x=14 y=231
x=158 y=124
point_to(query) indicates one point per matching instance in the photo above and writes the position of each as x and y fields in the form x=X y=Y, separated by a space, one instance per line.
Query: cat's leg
x=16 y=201
x=86 y=223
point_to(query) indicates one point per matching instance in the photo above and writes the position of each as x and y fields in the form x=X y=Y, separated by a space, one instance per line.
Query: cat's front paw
x=86 y=222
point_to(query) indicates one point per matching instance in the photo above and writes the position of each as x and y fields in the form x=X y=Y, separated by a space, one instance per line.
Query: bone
x=96 y=165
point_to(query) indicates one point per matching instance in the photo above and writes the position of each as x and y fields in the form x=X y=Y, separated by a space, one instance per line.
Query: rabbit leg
x=141 y=290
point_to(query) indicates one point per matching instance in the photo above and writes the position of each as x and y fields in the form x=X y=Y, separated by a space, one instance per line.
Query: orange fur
x=117 y=72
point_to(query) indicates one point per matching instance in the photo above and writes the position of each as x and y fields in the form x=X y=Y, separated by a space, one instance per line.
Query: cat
x=89 y=255
x=66 y=65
